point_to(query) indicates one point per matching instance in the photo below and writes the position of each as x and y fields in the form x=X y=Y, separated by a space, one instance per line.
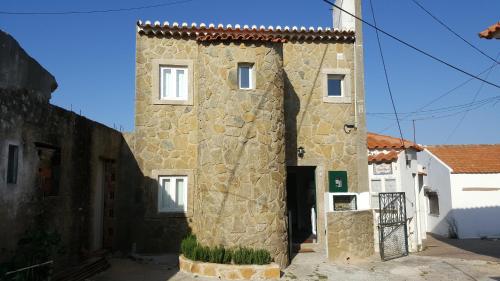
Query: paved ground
x=469 y=249
x=313 y=266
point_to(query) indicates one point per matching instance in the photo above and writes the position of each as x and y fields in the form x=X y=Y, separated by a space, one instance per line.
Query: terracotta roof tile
x=376 y=141
x=469 y=159
x=220 y=32
x=383 y=157
x=491 y=32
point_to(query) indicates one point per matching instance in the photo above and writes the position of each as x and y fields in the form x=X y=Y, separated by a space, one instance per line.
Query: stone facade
x=350 y=235
x=238 y=142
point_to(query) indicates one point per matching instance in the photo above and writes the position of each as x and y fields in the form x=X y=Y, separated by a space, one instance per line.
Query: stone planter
x=229 y=271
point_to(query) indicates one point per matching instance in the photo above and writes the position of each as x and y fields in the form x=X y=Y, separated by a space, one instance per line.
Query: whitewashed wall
x=476 y=204
x=437 y=179
x=405 y=182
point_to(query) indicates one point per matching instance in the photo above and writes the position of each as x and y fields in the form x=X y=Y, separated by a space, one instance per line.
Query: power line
x=466 y=112
x=97 y=11
x=387 y=76
x=413 y=47
x=454 y=32
x=443 y=95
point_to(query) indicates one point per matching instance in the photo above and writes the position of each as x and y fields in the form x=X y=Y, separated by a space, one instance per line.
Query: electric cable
x=453 y=31
x=413 y=47
x=97 y=11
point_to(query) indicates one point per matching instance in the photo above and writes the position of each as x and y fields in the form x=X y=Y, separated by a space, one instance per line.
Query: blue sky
x=92 y=56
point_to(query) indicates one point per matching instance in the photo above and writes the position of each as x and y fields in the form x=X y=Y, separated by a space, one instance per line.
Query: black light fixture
x=348 y=128
x=301 y=152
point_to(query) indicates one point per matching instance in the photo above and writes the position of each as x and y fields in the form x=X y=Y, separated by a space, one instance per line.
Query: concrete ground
x=468 y=249
x=313 y=266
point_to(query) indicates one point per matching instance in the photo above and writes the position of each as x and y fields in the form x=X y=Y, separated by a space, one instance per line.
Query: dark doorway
x=301 y=203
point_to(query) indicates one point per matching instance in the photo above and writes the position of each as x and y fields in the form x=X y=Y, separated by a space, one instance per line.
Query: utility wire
x=171 y=3
x=387 y=76
x=442 y=96
x=454 y=32
x=413 y=47
x=466 y=112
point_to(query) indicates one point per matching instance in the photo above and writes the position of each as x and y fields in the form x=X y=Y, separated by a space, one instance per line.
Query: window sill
x=172 y=102
x=340 y=99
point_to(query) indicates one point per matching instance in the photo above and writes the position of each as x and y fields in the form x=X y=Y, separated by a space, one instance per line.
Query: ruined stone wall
x=29 y=122
x=350 y=234
x=241 y=164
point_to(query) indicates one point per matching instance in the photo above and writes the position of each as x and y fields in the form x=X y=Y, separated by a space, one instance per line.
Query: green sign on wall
x=337 y=181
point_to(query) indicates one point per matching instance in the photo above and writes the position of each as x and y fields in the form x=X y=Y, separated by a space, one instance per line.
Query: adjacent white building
x=393 y=167
x=462 y=190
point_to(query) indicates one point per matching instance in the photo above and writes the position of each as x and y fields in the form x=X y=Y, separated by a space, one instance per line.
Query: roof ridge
x=254 y=27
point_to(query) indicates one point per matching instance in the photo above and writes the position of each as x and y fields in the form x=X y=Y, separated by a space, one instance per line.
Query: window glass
x=12 y=164
x=245 y=76
x=334 y=86
x=172 y=195
x=173 y=83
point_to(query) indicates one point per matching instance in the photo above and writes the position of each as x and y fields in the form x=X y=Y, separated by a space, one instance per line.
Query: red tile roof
x=376 y=141
x=469 y=159
x=383 y=157
x=245 y=33
x=491 y=32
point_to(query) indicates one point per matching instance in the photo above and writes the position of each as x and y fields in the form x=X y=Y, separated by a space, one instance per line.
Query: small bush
x=192 y=250
x=188 y=246
x=261 y=257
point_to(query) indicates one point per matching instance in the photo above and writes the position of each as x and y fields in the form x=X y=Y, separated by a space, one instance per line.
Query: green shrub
x=192 y=250
x=261 y=257
x=188 y=246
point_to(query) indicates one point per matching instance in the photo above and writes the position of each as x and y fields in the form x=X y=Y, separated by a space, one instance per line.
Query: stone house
x=393 y=167
x=243 y=133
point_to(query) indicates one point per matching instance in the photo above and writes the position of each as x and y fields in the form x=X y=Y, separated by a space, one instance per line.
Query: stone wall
x=241 y=183
x=33 y=124
x=317 y=125
x=350 y=234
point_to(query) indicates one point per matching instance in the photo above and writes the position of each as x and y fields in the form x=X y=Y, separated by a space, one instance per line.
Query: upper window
x=173 y=83
x=172 y=194
x=245 y=76
x=335 y=85
x=12 y=164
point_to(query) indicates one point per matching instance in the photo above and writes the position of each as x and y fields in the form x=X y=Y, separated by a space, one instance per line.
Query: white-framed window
x=390 y=185
x=173 y=83
x=336 y=85
x=172 y=194
x=245 y=76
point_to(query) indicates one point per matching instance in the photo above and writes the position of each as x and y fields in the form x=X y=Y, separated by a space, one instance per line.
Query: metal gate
x=393 y=236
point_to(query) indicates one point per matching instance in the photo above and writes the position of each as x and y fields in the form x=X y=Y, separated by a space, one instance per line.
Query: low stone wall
x=230 y=271
x=350 y=234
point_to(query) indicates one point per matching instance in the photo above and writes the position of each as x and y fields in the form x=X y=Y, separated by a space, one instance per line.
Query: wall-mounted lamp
x=301 y=152
x=348 y=128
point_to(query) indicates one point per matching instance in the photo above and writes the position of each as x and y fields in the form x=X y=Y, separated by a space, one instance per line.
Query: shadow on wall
x=470 y=223
x=142 y=229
